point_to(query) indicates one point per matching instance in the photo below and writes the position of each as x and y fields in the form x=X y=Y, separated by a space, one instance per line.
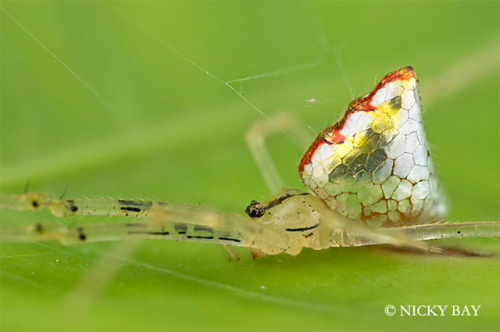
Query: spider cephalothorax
x=374 y=163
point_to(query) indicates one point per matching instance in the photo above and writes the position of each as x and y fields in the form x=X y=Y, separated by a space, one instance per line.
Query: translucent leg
x=351 y=233
x=165 y=221
x=230 y=253
x=452 y=230
x=412 y=236
x=256 y=137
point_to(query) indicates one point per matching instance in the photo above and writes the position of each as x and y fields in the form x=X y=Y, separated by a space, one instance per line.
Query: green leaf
x=129 y=100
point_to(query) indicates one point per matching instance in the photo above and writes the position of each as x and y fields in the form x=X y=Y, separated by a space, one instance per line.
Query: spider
x=370 y=177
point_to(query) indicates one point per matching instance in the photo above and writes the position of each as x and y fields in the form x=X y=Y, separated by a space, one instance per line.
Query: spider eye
x=255 y=210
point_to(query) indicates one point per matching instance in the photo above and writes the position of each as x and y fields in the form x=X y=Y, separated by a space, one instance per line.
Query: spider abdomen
x=374 y=163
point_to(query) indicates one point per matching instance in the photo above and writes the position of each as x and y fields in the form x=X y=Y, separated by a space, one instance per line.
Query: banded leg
x=165 y=221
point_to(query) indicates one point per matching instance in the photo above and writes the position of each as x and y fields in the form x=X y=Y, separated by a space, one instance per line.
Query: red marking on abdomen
x=335 y=137
x=331 y=134
x=306 y=158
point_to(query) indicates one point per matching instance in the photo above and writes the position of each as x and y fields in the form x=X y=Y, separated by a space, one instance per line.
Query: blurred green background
x=112 y=99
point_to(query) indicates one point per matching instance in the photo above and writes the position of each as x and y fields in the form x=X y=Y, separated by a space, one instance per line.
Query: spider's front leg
x=156 y=220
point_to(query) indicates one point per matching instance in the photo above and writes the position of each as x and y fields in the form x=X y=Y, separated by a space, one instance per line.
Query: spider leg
x=113 y=231
x=255 y=138
x=230 y=253
x=352 y=233
x=163 y=221
x=449 y=230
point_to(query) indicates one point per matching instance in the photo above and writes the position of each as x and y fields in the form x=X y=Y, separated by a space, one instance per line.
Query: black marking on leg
x=301 y=229
x=72 y=206
x=203 y=229
x=181 y=228
x=34 y=203
x=81 y=234
x=39 y=228
x=136 y=225
x=199 y=237
x=149 y=233
x=228 y=239
x=137 y=204
x=130 y=208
